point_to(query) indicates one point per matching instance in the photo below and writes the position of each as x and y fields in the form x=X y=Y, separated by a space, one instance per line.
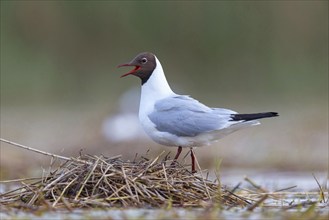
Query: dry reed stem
x=42 y=152
x=103 y=182
x=258 y=203
x=111 y=182
x=322 y=197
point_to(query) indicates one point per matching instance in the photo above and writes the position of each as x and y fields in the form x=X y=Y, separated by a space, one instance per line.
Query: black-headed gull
x=179 y=120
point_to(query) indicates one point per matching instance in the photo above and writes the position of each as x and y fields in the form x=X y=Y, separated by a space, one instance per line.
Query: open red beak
x=132 y=71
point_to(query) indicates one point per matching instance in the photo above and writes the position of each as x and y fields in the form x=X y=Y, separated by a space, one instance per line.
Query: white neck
x=155 y=88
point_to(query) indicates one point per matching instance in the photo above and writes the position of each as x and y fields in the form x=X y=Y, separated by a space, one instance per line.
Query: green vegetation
x=62 y=52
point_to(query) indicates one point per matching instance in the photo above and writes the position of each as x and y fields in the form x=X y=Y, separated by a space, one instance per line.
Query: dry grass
x=92 y=181
x=105 y=182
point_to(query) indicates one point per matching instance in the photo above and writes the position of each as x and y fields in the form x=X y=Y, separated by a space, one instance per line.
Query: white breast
x=155 y=89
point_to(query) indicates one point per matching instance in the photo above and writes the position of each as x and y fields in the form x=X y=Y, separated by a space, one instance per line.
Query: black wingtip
x=253 y=116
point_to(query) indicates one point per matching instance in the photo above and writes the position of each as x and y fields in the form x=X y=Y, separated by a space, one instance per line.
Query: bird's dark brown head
x=144 y=64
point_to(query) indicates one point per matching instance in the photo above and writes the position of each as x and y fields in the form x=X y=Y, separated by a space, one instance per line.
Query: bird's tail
x=253 y=116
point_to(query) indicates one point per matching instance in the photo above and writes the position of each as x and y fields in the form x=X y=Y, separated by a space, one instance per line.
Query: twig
x=254 y=184
x=284 y=189
x=19 y=180
x=41 y=152
x=64 y=190
x=166 y=178
x=86 y=179
x=203 y=180
x=256 y=204
x=236 y=187
x=34 y=150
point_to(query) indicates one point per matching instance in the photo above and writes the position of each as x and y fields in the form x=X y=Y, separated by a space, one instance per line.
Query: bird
x=177 y=120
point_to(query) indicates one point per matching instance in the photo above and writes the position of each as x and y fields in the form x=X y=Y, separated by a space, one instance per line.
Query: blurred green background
x=59 y=80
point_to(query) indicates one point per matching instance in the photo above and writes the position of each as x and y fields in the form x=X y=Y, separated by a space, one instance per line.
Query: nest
x=98 y=181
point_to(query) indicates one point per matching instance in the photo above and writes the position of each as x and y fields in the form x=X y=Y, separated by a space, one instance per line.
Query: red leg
x=179 y=150
x=193 y=161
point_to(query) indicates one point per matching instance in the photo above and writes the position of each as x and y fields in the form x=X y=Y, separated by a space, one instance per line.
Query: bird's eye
x=144 y=60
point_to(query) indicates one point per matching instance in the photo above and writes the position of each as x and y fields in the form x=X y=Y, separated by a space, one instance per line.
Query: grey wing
x=184 y=116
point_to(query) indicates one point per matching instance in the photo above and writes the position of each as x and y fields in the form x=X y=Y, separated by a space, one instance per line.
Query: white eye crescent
x=144 y=60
